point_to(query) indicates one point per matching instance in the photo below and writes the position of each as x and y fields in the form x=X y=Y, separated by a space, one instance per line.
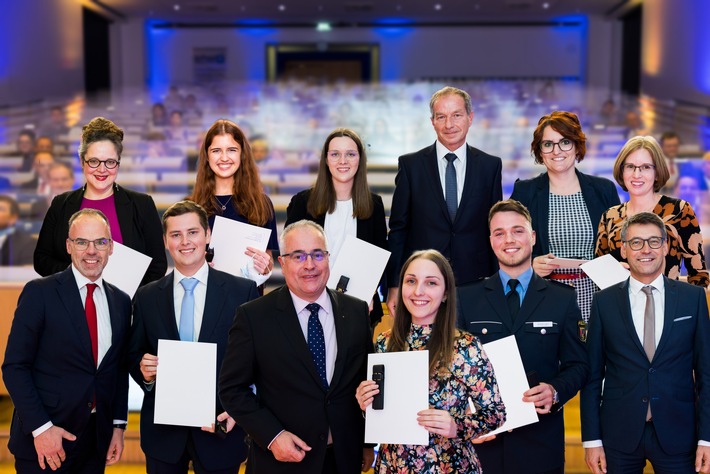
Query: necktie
x=316 y=342
x=649 y=331
x=90 y=308
x=451 y=194
x=513 y=298
x=187 y=310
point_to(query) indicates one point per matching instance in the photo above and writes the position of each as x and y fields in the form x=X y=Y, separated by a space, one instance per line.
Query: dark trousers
x=82 y=456
x=155 y=466
x=649 y=449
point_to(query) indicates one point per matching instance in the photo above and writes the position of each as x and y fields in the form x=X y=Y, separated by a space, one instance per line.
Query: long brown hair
x=323 y=198
x=444 y=332
x=248 y=195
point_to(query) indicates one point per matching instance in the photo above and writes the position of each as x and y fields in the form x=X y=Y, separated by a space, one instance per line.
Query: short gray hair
x=448 y=90
x=299 y=225
x=643 y=218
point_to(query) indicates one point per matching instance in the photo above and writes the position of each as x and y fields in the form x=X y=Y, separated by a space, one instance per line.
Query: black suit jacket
x=49 y=367
x=419 y=218
x=675 y=382
x=545 y=330
x=137 y=216
x=17 y=249
x=267 y=348
x=372 y=230
x=599 y=195
x=153 y=319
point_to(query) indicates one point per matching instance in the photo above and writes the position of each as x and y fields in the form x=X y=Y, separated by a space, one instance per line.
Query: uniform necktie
x=649 y=331
x=90 y=308
x=187 y=310
x=450 y=184
x=316 y=342
x=513 y=298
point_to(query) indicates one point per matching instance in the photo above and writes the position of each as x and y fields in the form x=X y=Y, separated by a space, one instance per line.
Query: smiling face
x=100 y=180
x=306 y=280
x=186 y=242
x=558 y=161
x=423 y=290
x=343 y=159
x=90 y=262
x=451 y=121
x=224 y=155
x=646 y=264
x=638 y=182
x=512 y=240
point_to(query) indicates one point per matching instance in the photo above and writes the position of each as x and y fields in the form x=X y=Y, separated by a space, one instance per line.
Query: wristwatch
x=121 y=426
x=555 y=396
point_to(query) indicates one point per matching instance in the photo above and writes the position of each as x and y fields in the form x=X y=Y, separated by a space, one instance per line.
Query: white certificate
x=186 y=383
x=406 y=394
x=230 y=240
x=126 y=268
x=605 y=271
x=512 y=382
x=362 y=264
x=568 y=262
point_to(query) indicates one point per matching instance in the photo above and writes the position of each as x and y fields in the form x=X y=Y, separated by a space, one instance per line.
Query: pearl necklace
x=224 y=206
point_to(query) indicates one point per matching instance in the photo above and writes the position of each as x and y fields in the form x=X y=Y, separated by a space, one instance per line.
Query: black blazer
x=545 y=330
x=599 y=195
x=267 y=348
x=17 y=249
x=49 y=367
x=419 y=218
x=140 y=227
x=372 y=230
x=675 y=383
x=153 y=319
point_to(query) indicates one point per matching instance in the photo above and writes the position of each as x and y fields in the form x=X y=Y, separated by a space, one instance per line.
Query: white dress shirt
x=459 y=166
x=200 y=294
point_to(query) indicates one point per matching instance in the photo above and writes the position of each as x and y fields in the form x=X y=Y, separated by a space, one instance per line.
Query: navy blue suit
x=675 y=382
x=599 y=195
x=545 y=330
x=420 y=220
x=49 y=367
x=154 y=318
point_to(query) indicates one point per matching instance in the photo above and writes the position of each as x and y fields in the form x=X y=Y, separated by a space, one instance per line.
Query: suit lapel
x=166 y=305
x=472 y=170
x=287 y=319
x=624 y=303
x=214 y=303
x=496 y=298
x=340 y=335
x=670 y=304
x=71 y=299
x=431 y=168
x=124 y=213
x=116 y=327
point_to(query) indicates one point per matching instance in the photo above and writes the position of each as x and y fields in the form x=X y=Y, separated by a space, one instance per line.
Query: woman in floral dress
x=459 y=370
x=641 y=170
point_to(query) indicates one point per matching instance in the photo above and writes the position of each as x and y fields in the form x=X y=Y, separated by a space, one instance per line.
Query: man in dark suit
x=647 y=396
x=543 y=316
x=16 y=245
x=442 y=196
x=64 y=365
x=304 y=348
x=157 y=315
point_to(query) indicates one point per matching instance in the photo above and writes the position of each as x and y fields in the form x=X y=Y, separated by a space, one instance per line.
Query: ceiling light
x=545 y=5
x=323 y=26
x=282 y=7
x=176 y=7
x=437 y=6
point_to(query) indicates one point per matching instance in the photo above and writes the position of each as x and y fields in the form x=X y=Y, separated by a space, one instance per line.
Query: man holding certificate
x=304 y=348
x=543 y=316
x=193 y=303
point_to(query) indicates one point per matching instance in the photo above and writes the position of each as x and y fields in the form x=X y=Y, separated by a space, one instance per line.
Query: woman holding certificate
x=460 y=375
x=228 y=185
x=341 y=200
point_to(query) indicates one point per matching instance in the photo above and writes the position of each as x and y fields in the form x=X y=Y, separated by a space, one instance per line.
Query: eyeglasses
x=109 y=164
x=637 y=243
x=548 y=146
x=301 y=257
x=335 y=156
x=83 y=244
x=629 y=168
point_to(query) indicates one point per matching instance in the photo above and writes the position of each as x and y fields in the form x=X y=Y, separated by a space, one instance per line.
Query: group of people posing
x=466 y=268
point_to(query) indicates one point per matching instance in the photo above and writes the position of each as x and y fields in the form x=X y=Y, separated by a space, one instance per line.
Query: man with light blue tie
x=193 y=303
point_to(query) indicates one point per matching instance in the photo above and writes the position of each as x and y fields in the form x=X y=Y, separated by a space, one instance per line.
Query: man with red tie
x=64 y=364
